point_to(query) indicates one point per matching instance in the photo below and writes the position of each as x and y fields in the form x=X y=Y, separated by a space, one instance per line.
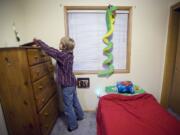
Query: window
x=87 y=26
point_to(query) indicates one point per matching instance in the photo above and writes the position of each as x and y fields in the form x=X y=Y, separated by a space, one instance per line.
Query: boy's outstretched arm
x=56 y=54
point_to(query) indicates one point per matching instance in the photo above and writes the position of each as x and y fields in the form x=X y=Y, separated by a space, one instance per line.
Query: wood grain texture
x=174 y=98
x=36 y=56
x=48 y=115
x=170 y=55
x=175 y=94
x=38 y=71
x=17 y=94
x=43 y=90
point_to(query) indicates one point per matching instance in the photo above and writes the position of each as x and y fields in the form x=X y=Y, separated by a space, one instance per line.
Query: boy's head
x=66 y=44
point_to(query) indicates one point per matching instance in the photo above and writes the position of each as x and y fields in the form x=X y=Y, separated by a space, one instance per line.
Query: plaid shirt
x=64 y=70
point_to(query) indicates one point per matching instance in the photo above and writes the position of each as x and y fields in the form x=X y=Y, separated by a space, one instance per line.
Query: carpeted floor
x=86 y=127
x=173 y=113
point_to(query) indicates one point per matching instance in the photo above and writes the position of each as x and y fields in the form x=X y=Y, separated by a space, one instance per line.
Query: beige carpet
x=86 y=127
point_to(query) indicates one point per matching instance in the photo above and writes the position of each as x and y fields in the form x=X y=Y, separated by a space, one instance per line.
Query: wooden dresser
x=28 y=92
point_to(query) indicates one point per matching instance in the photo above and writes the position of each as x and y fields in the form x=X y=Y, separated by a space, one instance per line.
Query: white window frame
x=129 y=9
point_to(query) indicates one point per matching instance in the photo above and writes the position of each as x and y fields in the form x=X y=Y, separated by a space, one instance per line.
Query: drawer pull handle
x=40 y=87
x=46 y=126
x=36 y=57
x=43 y=100
x=46 y=114
x=37 y=72
x=43 y=54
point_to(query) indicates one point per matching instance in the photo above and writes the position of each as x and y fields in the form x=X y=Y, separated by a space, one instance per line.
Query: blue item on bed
x=125 y=87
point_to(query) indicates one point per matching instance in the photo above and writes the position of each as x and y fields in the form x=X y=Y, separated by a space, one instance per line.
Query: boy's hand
x=35 y=41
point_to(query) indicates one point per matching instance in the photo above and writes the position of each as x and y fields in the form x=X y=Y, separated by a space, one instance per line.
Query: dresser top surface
x=23 y=46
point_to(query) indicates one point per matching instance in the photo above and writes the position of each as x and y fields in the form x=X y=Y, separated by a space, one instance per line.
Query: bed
x=134 y=115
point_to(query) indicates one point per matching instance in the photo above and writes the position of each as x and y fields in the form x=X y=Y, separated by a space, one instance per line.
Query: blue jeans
x=72 y=107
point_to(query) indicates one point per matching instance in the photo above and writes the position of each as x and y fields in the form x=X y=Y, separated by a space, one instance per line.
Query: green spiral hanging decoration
x=110 y=19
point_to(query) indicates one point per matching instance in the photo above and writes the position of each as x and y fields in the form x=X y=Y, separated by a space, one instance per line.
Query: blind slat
x=87 y=29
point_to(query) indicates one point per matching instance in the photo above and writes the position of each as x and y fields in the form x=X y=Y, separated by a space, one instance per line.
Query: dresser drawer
x=50 y=66
x=43 y=90
x=38 y=71
x=36 y=56
x=48 y=115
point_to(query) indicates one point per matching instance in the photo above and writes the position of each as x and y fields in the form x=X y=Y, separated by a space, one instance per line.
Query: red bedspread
x=134 y=115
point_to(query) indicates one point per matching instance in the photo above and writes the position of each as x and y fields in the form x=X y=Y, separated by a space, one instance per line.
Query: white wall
x=45 y=20
x=11 y=11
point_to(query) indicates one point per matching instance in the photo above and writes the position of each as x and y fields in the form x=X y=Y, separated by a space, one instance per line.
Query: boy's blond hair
x=67 y=43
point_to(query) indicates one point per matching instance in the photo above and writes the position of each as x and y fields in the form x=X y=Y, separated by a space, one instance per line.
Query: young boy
x=66 y=79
